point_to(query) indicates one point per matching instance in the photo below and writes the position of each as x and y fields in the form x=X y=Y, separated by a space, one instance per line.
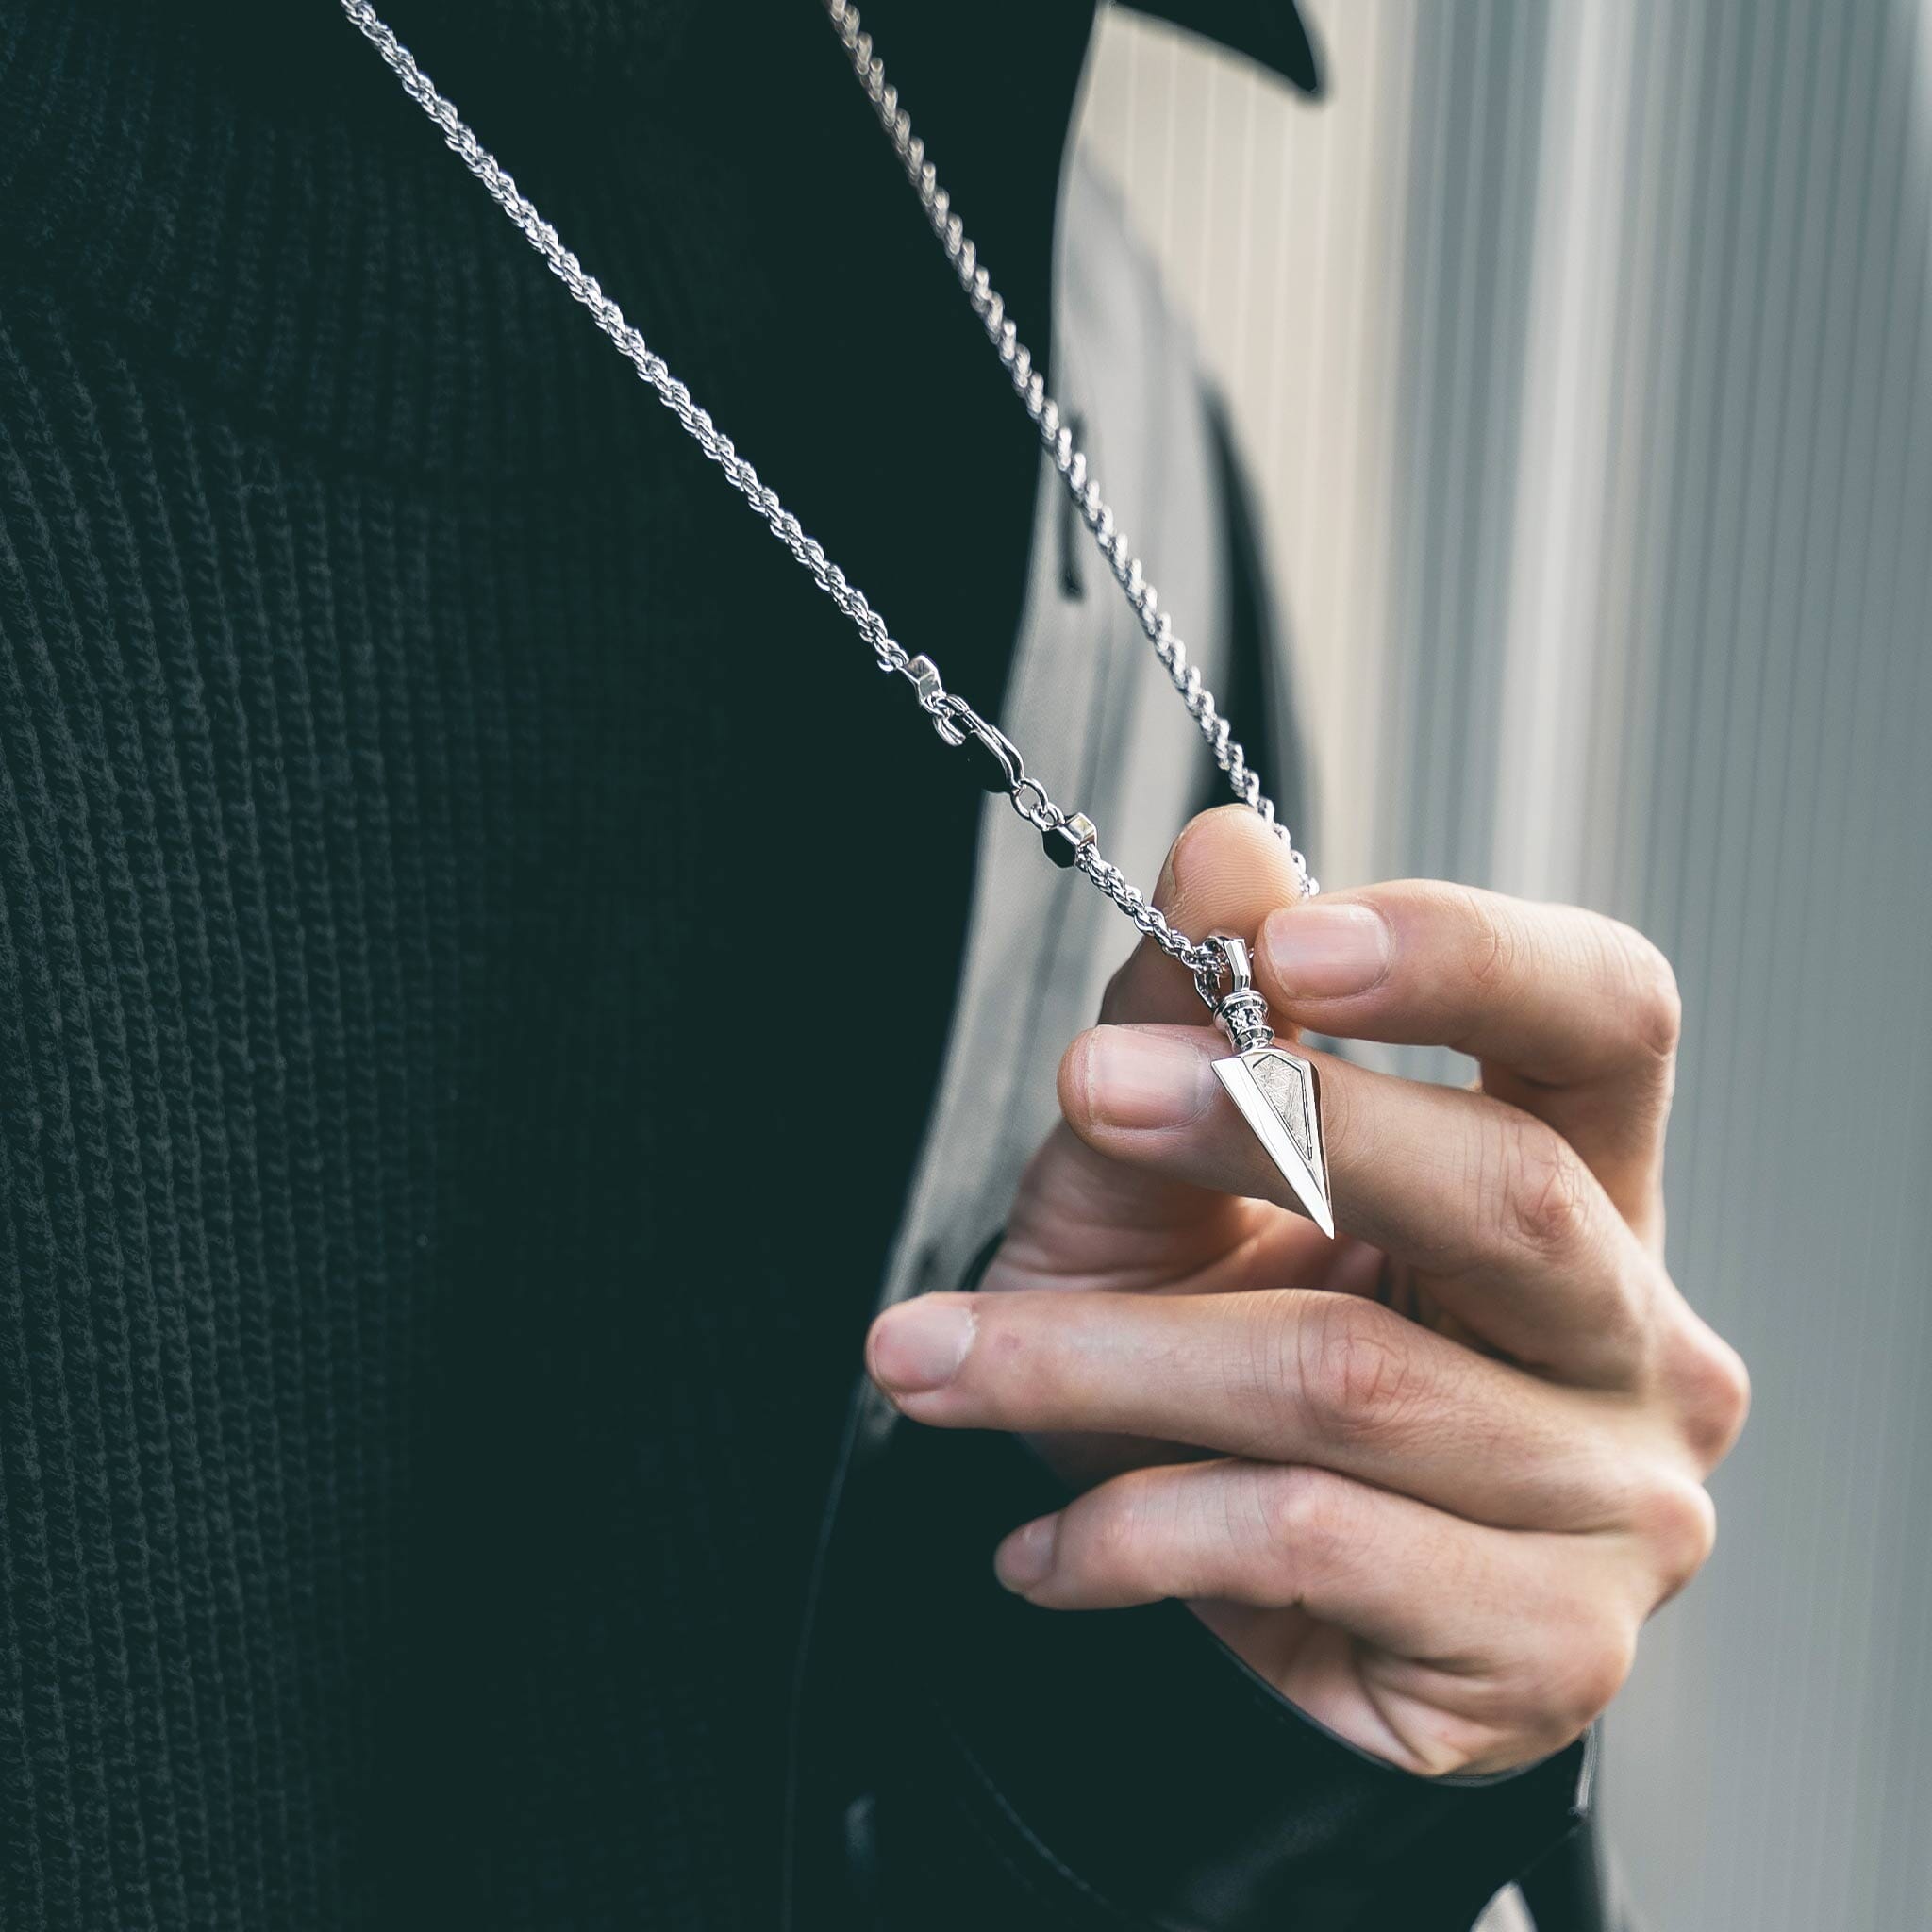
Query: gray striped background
x=1583 y=353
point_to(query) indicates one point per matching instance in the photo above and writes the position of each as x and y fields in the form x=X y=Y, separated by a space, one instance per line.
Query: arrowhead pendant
x=1279 y=1097
x=1277 y=1092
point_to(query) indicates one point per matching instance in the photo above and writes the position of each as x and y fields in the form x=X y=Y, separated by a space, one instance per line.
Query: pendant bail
x=1240 y=1013
x=1278 y=1093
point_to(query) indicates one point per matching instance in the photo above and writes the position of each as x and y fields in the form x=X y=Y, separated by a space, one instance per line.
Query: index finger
x=1559 y=996
x=1274 y=1375
x=1572 y=1016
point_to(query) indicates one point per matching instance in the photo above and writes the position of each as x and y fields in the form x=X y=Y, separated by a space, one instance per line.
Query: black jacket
x=972 y=1761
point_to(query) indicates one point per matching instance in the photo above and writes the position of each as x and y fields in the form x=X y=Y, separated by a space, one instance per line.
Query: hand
x=1429 y=1480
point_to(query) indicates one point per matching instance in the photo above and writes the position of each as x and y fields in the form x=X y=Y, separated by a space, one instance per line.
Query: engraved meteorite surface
x=1284 y=1083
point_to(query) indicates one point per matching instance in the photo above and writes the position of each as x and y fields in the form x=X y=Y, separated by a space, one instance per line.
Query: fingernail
x=1135 y=1080
x=1024 y=1560
x=921 y=1344
x=1326 y=951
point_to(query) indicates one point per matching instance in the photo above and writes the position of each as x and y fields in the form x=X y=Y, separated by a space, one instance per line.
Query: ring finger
x=1294 y=1376
x=1500 y=1644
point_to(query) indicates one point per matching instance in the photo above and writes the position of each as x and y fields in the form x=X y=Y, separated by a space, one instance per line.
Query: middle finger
x=1519 y=1241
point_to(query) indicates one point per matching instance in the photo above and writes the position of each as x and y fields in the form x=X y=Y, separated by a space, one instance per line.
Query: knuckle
x=1355 y=1374
x=1104 y=1538
x=1679 y=1520
x=1494 y=940
x=1301 y=1513
x=1713 y=1390
x=1589 y=1670
x=1651 y=997
x=1565 y=1678
x=1602 y=1673
x=1547 y=1193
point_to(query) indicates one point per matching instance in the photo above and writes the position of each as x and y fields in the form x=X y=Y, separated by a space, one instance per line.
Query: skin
x=1429 y=1479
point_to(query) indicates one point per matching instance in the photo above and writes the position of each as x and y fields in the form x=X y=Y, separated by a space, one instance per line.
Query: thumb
x=1225 y=872
x=1082 y=1220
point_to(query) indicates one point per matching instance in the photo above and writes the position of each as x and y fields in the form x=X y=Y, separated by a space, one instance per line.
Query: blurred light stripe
x=1583 y=355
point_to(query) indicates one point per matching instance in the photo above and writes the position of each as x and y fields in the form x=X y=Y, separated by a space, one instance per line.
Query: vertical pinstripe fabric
x=1584 y=354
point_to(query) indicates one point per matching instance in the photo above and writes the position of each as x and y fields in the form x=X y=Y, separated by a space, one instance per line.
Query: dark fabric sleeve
x=972 y=1762
x=1024 y=1769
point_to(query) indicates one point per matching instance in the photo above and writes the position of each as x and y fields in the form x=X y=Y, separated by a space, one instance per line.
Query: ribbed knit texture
x=474 y=933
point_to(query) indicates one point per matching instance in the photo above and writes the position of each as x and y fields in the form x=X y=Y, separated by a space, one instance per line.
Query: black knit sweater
x=420 y=1374
x=418 y=1380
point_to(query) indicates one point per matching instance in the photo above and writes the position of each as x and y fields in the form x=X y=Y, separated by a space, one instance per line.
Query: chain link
x=1069 y=459
x=609 y=317
x=949 y=713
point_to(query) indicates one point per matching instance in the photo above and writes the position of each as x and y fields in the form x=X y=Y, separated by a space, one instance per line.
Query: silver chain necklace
x=1276 y=1091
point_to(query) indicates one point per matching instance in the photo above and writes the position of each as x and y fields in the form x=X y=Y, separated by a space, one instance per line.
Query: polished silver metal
x=1240 y=1011
x=1066 y=842
x=924 y=675
x=950 y=716
x=1278 y=1093
x=1055 y=432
